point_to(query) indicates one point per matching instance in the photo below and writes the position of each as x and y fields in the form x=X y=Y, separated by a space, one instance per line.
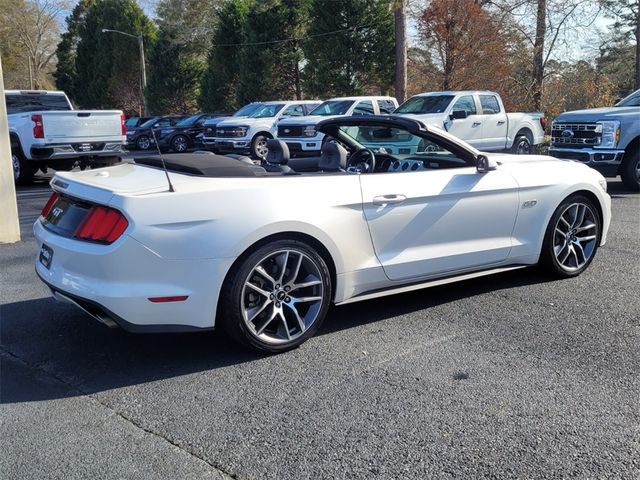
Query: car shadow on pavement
x=58 y=344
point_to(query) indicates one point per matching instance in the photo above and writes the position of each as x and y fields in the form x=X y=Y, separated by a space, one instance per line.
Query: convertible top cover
x=203 y=165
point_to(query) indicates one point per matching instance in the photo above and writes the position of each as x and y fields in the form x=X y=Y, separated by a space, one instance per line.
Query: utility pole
x=9 y=224
x=143 y=68
x=30 y=73
x=400 y=15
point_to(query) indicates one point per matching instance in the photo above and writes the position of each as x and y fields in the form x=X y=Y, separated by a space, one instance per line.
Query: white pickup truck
x=478 y=118
x=301 y=135
x=46 y=132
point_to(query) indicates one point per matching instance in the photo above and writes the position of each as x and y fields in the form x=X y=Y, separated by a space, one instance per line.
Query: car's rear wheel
x=143 y=143
x=180 y=144
x=572 y=237
x=631 y=171
x=277 y=297
x=522 y=145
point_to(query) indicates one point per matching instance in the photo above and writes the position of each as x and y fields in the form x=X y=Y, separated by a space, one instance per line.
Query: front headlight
x=241 y=131
x=310 y=131
x=609 y=132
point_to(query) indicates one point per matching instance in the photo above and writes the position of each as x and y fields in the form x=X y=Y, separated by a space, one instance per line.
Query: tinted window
x=632 y=100
x=332 y=107
x=364 y=108
x=386 y=106
x=293 y=111
x=188 y=121
x=489 y=104
x=426 y=104
x=465 y=103
x=32 y=102
x=132 y=122
x=149 y=123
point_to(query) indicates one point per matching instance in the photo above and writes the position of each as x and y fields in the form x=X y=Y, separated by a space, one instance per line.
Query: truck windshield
x=426 y=104
x=33 y=102
x=247 y=110
x=332 y=107
x=267 y=110
x=632 y=100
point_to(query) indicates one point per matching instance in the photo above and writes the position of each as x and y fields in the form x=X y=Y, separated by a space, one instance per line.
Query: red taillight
x=123 y=125
x=102 y=224
x=543 y=122
x=38 y=128
x=47 y=206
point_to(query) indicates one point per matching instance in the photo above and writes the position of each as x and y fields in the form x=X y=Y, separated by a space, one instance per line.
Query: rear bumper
x=607 y=162
x=76 y=150
x=113 y=283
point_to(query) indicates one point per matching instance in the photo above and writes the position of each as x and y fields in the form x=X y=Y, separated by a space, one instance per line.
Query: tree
x=627 y=16
x=270 y=59
x=350 y=49
x=218 y=91
x=65 y=72
x=178 y=58
x=616 y=61
x=464 y=39
x=108 y=64
x=33 y=26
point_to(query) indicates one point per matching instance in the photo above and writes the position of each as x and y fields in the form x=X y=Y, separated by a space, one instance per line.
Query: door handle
x=476 y=124
x=391 y=199
x=501 y=122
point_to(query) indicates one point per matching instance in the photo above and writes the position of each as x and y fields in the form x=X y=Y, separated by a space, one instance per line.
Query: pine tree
x=220 y=80
x=350 y=49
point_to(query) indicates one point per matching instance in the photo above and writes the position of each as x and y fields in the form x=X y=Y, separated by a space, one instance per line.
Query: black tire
x=258 y=146
x=549 y=258
x=23 y=170
x=143 y=143
x=630 y=171
x=180 y=144
x=522 y=145
x=237 y=300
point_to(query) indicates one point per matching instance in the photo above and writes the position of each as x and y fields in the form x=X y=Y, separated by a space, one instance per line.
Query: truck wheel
x=23 y=172
x=630 y=171
x=521 y=145
x=259 y=146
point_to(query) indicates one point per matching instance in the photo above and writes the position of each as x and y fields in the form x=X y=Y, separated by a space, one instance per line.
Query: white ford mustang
x=262 y=250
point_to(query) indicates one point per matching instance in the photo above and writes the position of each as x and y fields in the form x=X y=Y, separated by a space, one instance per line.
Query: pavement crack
x=38 y=367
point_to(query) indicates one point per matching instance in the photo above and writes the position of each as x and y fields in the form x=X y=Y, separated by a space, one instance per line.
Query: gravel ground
x=510 y=376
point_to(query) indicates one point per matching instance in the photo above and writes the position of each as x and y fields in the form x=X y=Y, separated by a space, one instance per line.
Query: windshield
x=149 y=123
x=268 y=110
x=247 y=110
x=33 y=102
x=187 y=122
x=428 y=104
x=332 y=107
x=632 y=100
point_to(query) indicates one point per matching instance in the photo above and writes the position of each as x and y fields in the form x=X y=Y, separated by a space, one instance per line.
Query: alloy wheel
x=261 y=147
x=575 y=236
x=180 y=144
x=15 y=162
x=524 y=147
x=144 y=143
x=282 y=296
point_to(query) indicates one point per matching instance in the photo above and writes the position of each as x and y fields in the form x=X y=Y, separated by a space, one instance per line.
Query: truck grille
x=290 y=130
x=574 y=134
x=226 y=132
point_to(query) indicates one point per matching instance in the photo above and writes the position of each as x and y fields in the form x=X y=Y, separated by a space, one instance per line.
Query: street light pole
x=142 y=63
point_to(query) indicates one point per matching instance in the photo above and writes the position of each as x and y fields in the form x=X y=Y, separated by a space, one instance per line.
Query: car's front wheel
x=259 y=148
x=631 y=171
x=572 y=237
x=277 y=297
x=143 y=143
x=180 y=144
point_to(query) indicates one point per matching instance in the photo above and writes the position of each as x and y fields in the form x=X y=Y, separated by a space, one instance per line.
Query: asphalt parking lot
x=511 y=376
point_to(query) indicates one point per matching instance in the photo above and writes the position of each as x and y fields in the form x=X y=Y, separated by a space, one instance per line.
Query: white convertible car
x=261 y=251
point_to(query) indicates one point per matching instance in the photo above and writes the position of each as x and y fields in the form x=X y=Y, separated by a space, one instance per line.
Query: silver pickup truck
x=607 y=139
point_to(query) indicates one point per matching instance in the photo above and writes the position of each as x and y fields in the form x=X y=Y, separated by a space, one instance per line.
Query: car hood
x=308 y=120
x=215 y=121
x=246 y=121
x=435 y=119
x=596 y=114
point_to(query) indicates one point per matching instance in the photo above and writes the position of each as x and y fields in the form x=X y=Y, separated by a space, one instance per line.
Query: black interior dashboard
x=386 y=163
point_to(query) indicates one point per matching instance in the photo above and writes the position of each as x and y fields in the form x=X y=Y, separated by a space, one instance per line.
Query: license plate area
x=65 y=215
x=46 y=256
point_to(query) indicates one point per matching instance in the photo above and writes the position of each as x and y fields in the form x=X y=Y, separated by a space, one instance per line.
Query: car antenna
x=164 y=167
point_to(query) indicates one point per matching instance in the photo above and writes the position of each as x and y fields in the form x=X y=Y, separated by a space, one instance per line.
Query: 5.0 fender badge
x=529 y=203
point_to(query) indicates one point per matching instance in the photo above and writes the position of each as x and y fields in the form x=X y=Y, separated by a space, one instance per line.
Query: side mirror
x=458 y=114
x=485 y=164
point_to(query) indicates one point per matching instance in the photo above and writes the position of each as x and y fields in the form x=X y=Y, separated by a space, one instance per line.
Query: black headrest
x=278 y=152
x=333 y=157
